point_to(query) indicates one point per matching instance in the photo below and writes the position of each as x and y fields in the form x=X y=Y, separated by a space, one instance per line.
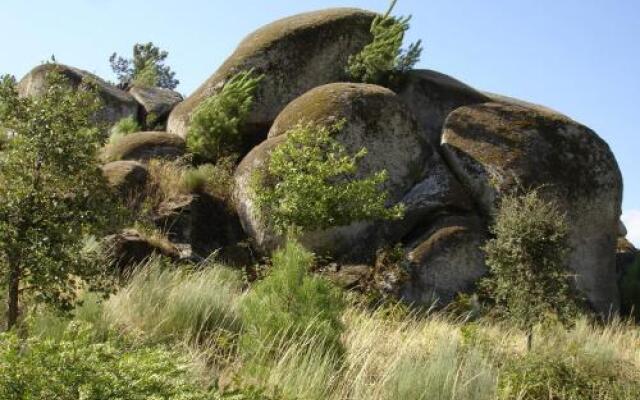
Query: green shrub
x=561 y=376
x=78 y=368
x=630 y=290
x=214 y=179
x=5 y=137
x=290 y=302
x=527 y=259
x=214 y=131
x=383 y=61
x=310 y=183
x=124 y=127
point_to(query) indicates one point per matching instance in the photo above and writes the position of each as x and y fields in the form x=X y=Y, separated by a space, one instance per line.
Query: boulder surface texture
x=374 y=118
x=295 y=54
x=117 y=104
x=495 y=148
x=451 y=153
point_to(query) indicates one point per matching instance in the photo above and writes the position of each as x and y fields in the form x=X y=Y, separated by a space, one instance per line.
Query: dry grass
x=388 y=354
x=172 y=179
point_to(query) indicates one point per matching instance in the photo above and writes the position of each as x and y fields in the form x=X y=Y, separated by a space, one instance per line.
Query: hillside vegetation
x=318 y=221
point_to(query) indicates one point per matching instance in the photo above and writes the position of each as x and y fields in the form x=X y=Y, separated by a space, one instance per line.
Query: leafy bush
x=124 y=127
x=290 y=302
x=630 y=290
x=214 y=131
x=559 y=376
x=527 y=259
x=383 y=61
x=77 y=368
x=146 y=68
x=310 y=183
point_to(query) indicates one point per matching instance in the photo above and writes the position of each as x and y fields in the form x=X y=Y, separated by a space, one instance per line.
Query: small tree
x=310 y=183
x=527 y=259
x=291 y=301
x=146 y=68
x=52 y=193
x=383 y=61
x=214 y=131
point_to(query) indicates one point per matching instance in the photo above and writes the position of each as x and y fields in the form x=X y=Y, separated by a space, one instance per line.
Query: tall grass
x=412 y=359
x=163 y=303
x=173 y=179
x=382 y=355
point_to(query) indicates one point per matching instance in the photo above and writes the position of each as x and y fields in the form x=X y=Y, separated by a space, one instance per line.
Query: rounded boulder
x=497 y=147
x=375 y=119
x=295 y=54
x=143 y=146
x=117 y=104
x=126 y=177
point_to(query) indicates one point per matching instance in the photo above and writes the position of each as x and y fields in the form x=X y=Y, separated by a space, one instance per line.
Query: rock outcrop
x=496 y=147
x=451 y=152
x=130 y=248
x=155 y=104
x=127 y=177
x=445 y=261
x=117 y=104
x=143 y=146
x=295 y=54
x=431 y=96
x=200 y=220
x=375 y=118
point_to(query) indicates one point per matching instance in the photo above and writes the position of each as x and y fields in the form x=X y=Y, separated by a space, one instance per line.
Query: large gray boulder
x=431 y=96
x=143 y=146
x=155 y=104
x=296 y=54
x=375 y=118
x=445 y=261
x=495 y=147
x=117 y=104
x=126 y=177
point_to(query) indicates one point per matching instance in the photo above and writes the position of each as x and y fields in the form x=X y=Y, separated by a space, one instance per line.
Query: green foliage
x=383 y=61
x=527 y=261
x=214 y=130
x=5 y=137
x=124 y=127
x=310 y=183
x=147 y=76
x=78 y=368
x=630 y=290
x=52 y=194
x=290 y=302
x=146 y=68
x=215 y=179
x=561 y=376
x=195 y=179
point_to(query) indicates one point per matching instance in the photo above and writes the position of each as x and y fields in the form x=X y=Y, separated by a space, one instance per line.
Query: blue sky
x=581 y=57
